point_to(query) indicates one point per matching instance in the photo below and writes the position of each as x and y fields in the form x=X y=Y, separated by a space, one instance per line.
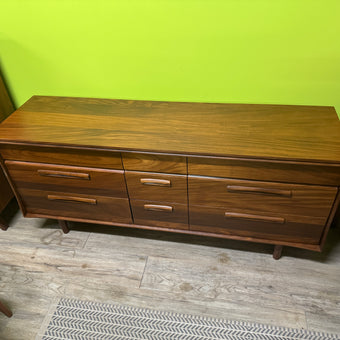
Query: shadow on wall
x=3 y=85
x=31 y=71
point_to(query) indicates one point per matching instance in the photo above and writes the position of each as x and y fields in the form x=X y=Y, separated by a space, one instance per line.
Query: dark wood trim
x=64 y=226
x=331 y=216
x=277 y=252
x=3 y=224
x=17 y=196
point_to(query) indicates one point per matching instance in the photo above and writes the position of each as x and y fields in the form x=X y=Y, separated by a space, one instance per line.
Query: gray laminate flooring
x=186 y=274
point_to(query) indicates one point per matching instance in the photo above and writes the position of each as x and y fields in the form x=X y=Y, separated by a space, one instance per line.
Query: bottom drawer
x=159 y=214
x=289 y=228
x=59 y=204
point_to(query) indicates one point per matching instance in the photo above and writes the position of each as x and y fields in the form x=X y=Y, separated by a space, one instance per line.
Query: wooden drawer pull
x=155 y=207
x=72 y=199
x=242 y=189
x=154 y=181
x=280 y=220
x=64 y=174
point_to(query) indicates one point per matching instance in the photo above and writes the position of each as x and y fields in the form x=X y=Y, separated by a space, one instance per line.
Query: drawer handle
x=72 y=199
x=278 y=192
x=64 y=174
x=155 y=207
x=157 y=182
x=280 y=220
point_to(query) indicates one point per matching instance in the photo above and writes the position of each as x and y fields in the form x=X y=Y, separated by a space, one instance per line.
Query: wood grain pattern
x=158 y=207
x=26 y=175
x=108 y=208
x=160 y=214
x=265 y=170
x=175 y=192
x=305 y=200
x=251 y=217
x=72 y=199
x=65 y=156
x=294 y=229
x=154 y=162
x=258 y=131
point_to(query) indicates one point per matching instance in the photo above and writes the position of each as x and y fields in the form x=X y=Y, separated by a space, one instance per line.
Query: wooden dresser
x=6 y=194
x=262 y=173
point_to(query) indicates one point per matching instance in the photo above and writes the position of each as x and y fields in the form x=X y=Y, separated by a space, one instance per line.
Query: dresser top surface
x=305 y=133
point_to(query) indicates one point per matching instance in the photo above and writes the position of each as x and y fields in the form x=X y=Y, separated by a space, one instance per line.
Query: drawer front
x=65 y=156
x=265 y=170
x=65 y=204
x=157 y=187
x=304 y=200
x=154 y=163
x=160 y=214
x=67 y=179
x=266 y=226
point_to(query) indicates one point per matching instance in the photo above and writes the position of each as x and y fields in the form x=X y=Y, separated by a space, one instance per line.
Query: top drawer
x=65 y=156
x=154 y=163
x=72 y=179
x=266 y=170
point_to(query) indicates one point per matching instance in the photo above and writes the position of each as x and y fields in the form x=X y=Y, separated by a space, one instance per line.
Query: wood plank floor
x=186 y=274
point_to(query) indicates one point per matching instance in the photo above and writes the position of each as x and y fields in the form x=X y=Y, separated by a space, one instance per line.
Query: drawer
x=65 y=204
x=65 y=156
x=160 y=214
x=157 y=187
x=305 y=200
x=266 y=170
x=67 y=179
x=266 y=226
x=154 y=162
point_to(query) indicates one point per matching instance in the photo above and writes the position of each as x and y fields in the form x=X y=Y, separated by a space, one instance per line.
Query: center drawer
x=92 y=181
x=160 y=214
x=255 y=196
x=157 y=187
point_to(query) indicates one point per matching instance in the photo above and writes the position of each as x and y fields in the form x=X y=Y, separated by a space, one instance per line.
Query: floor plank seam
x=85 y=243
x=146 y=262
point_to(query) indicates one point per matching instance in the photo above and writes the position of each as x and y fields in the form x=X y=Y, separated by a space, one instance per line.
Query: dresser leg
x=5 y=310
x=3 y=224
x=64 y=226
x=277 y=252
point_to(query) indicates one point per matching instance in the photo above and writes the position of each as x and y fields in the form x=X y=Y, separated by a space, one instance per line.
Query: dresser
x=6 y=194
x=260 y=173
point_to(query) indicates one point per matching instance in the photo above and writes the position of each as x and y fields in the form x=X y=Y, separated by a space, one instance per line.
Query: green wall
x=241 y=51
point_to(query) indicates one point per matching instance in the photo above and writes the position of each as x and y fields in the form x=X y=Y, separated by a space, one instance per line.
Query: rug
x=74 y=319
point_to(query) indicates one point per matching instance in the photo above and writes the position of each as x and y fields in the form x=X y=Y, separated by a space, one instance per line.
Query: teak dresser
x=262 y=173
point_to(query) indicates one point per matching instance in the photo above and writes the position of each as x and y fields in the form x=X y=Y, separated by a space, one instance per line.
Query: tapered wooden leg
x=3 y=224
x=277 y=252
x=5 y=310
x=64 y=226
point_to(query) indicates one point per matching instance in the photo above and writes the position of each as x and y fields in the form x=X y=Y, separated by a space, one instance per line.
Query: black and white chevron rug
x=74 y=319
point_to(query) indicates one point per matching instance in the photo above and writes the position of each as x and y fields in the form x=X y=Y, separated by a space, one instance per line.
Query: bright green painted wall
x=244 y=51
